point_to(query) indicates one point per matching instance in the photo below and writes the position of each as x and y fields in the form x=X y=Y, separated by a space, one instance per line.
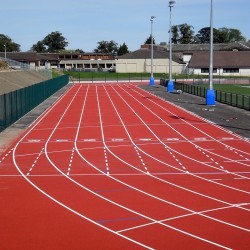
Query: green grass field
x=231 y=88
x=76 y=75
x=242 y=89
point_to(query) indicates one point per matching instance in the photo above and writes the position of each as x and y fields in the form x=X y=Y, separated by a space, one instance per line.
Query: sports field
x=110 y=166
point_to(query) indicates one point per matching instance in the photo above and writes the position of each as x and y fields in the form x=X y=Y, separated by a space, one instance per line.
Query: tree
x=182 y=33
x=110 y=47
x=221 y=35
x=39 y=47
x=175 y=34
x=186 y=33
x=55 y=42
x=203 y=35
x=148 y=40
x=123 y=49
x=10 y=45
x=79 y=51
x=227 y=35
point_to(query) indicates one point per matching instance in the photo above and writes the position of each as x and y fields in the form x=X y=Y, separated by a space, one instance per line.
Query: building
x=140 y=61
x=224 y=62
x=229 y=59
x=76 y=61
x=31 y=60
x=87 y=61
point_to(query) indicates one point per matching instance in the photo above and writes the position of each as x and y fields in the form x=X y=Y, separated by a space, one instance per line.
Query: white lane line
x=52 y=198
x=209 y=197
x=70 y=161
x=6 y=155
x=216 y=140
x=155 y=176
x=35 y=162
x=136 y=99
x=141 y=159
x=106 y=161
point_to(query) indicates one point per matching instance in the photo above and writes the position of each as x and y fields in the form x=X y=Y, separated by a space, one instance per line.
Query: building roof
x=21 y=56
x=241 y=46
x=145 y=53
x=229 y=59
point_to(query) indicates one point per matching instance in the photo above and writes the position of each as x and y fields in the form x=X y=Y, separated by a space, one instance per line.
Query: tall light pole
x=170 y=82
x=152 y=80
x=210 y=94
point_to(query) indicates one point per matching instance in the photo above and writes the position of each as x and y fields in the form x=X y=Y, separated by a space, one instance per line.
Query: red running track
x=110 y=166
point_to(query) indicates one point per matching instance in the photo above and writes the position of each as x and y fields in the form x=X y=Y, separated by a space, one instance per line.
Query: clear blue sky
x=86 y=22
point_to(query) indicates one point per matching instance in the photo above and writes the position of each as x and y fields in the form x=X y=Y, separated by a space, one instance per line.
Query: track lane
x=83 y=208
x=135 y=101
x=224 y=136
x=109 y=109
x=76 y=174
x=118 y=204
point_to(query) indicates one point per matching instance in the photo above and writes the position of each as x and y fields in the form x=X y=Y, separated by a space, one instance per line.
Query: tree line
x=55 y=42
x=184 y=34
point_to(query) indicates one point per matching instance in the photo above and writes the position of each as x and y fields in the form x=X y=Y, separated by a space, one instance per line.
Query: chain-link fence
x=15 y=65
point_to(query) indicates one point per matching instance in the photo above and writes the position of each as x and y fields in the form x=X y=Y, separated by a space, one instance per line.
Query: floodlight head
x=171 y=3
x=152 y=18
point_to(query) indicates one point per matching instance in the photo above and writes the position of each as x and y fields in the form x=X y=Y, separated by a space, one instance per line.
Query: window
x=206 y=70
x=231 y=70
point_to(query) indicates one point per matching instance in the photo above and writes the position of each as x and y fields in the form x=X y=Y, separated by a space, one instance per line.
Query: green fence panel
x=237 y=100
x=17 y=103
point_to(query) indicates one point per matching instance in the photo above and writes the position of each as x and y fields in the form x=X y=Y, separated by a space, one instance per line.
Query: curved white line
x=55 y=200
x=197 y=128
x=211 y=123
x=166 y=146
x=231 y=205
x=83 y=187
x=114 y=203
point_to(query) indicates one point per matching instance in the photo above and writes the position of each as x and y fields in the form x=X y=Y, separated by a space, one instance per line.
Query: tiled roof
x=206 y=47
x=146 y=54
x=239 y=59
x=21 y=56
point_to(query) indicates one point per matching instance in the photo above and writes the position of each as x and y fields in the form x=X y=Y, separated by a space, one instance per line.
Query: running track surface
x=110 y=166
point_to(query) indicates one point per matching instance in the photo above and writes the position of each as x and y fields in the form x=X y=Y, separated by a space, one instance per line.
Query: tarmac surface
x=233 y=119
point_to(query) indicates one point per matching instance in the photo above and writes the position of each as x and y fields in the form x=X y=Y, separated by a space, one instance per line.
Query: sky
x=84 y=23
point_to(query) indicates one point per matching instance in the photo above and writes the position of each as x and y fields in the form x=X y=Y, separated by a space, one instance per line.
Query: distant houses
x=229 y=59
x=66 y=61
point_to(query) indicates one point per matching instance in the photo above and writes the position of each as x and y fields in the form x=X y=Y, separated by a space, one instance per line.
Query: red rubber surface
x=110 y=166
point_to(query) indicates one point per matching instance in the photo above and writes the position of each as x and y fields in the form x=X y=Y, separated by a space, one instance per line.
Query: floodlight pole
x=170 y=82
x=152 y=80
x=210 y=95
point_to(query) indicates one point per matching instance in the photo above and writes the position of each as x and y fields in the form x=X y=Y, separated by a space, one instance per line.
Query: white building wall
x=144 y=65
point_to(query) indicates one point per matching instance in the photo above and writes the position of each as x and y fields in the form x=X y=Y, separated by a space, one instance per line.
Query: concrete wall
x=13 y=80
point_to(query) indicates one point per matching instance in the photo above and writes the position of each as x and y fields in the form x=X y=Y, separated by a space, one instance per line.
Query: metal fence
x=236 y=100
x=111 y=76
x=12 y=64
x=15 y=104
